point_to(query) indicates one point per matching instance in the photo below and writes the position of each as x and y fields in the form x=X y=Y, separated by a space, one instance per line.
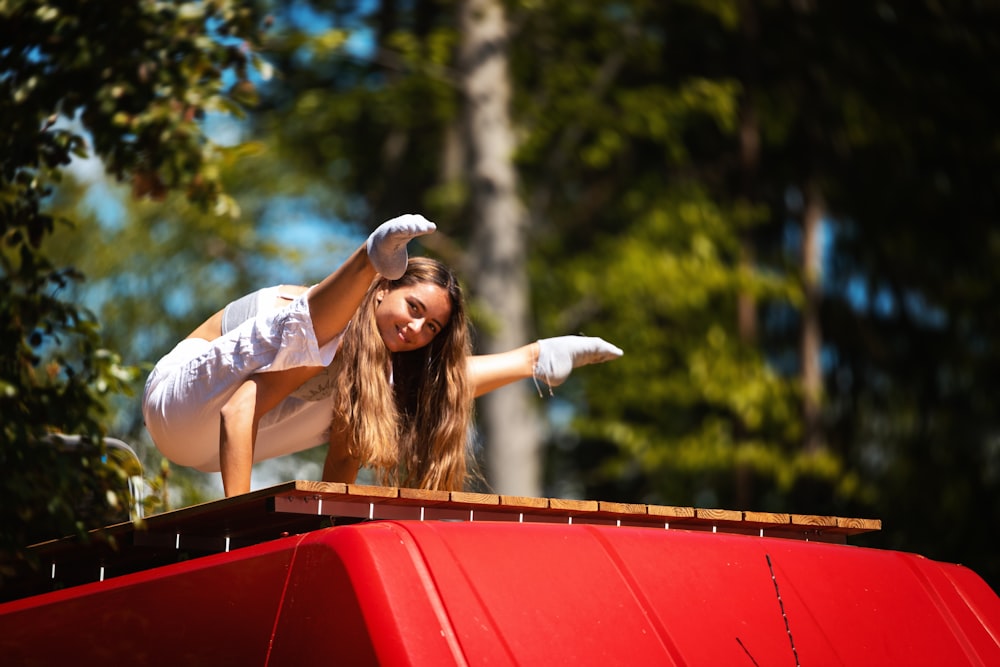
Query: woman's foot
x=387 y=244
x=557 y=357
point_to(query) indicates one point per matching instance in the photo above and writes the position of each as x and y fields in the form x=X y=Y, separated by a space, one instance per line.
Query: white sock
x=387 y=244
x=557 y=357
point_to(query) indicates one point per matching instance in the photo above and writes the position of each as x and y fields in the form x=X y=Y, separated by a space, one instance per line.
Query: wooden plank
x=813 y=520
x=474 y=498
x=861 y=525
x=367 y=491
x=425 y=495
x=848 y=526
x=621 y=509
x=565 y=504
x=524 y=502
x=317 y=487
x=718 y=515
x=767 y=518
x=670 y=511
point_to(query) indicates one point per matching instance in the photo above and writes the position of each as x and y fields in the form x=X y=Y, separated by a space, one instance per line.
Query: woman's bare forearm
x=487 y=372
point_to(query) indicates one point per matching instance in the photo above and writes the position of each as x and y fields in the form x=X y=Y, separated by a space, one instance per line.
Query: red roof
x=481 y=593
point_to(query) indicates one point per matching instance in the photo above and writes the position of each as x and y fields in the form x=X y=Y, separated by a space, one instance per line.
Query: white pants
x=189 y=386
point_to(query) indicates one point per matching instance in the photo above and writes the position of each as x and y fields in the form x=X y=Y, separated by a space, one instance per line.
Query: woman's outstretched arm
x=549 y=360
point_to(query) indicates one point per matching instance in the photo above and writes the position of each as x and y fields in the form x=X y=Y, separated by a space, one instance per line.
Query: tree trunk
x=508 y=422
x=812 y=273
x=749 y=138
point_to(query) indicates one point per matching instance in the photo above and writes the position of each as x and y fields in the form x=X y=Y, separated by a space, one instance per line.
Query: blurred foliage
x=632 y=119
x=691 y=400
x=128 y=83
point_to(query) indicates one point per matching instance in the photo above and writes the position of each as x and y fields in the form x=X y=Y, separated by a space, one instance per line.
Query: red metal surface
x=447 y=593
x=587 y=595
x=222 y=605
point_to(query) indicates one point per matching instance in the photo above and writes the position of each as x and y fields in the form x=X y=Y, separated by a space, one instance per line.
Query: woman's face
x=409 y=317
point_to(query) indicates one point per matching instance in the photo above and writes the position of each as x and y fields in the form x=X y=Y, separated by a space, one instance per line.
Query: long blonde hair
x=412 y=431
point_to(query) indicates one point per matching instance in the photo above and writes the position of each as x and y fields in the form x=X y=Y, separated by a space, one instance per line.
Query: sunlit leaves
x=690 y=397
x=129 y=83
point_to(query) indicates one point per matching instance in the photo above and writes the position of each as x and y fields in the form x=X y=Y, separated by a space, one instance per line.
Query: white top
x=188 y=387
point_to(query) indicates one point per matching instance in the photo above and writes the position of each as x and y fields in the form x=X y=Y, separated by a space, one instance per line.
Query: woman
x=375 y=360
